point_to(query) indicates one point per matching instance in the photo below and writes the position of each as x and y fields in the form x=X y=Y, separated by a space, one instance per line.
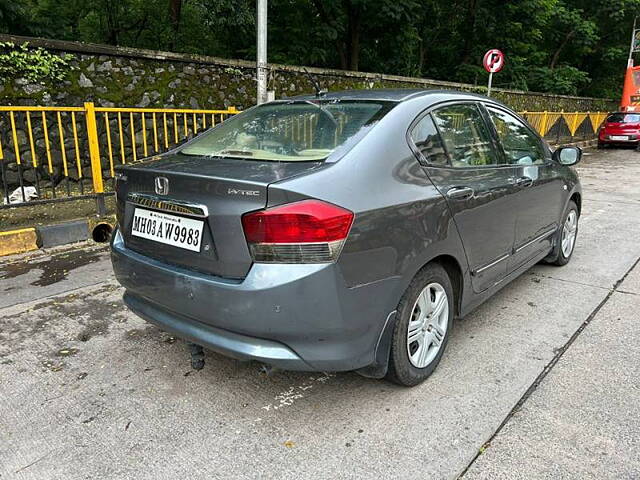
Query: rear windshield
x=290 y=132
x=624 y=118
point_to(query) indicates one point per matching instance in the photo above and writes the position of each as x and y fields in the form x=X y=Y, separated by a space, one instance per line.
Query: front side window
x=520 y=145
x=427 y=140
x=465 y=136
x=290 y=132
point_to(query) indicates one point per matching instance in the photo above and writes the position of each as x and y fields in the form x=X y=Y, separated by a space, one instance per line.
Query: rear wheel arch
x=433 y=277
x=454 y=270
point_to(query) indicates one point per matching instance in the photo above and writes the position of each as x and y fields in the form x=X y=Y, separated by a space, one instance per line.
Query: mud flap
x=378 y=369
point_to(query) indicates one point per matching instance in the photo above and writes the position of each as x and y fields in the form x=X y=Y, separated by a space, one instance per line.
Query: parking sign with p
x=493 y=62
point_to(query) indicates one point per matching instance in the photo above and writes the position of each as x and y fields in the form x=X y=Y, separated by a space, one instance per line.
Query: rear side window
x=427 y=140
x=465 y=136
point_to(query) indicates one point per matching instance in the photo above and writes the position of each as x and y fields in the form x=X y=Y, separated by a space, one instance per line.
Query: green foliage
x=564 y=80
x=558 y=46
x=13 y=17
x=33 y=64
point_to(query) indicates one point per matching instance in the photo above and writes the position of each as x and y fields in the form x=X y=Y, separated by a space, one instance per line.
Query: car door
x=540 y=187
x=460 y=157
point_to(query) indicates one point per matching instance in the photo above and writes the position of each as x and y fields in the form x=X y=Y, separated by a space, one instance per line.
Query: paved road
x=583 y=420
x=90 y=391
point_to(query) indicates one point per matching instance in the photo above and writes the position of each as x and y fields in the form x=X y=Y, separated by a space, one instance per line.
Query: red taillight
x=308 y=231
x=301 y=222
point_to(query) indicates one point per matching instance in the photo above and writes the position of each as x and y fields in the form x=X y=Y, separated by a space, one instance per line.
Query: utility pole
x=261 y=66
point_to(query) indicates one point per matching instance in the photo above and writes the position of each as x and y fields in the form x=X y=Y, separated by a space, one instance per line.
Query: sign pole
x=489 y=86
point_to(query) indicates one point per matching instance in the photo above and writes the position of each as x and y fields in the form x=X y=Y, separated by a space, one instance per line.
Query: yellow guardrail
x=173 y=126
x=59 y=149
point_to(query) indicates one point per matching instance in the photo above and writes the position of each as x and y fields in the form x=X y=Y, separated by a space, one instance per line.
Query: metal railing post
x=94 y=156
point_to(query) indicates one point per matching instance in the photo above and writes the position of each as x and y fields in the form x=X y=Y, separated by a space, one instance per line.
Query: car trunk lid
x=211 y=192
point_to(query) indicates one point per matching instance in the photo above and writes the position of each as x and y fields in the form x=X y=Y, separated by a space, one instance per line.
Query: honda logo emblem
x=162 y=185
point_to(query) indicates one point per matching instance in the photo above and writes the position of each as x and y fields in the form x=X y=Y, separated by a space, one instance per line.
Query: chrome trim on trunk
x=169 y=206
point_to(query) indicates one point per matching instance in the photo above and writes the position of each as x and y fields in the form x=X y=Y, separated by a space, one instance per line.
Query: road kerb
x=22 y=240
x=18 y=241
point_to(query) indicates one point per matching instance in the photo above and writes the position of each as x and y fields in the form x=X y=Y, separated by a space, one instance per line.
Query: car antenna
x=319 y=92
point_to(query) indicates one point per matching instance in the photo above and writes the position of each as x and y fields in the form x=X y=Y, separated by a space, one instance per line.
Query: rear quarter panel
x=401 y=220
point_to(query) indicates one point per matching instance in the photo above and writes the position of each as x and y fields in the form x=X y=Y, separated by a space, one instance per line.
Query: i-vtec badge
x=246 y=193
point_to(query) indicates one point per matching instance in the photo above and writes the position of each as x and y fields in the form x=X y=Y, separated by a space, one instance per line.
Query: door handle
x=523 y=182
x=459 y=193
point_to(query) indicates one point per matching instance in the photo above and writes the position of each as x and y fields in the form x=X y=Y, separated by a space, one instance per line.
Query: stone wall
x=126 y=77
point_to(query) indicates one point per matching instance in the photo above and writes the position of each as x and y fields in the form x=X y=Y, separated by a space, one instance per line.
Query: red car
x=620 y=128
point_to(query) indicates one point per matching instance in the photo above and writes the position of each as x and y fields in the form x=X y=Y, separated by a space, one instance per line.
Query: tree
x=561 y=46
x=175 y=8
x=344 y=19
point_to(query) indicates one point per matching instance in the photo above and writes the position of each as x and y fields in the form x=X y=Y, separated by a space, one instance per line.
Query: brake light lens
x=309 y=231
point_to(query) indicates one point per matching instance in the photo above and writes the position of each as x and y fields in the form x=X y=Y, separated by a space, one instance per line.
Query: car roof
x=386 y=94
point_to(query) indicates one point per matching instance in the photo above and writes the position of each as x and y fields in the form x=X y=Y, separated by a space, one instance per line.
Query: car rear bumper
x=619 y=142
x=295 y=317
x=228 y=343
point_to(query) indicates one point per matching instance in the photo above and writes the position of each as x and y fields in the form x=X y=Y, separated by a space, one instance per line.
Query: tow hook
x=268 y=370
x=197 y=356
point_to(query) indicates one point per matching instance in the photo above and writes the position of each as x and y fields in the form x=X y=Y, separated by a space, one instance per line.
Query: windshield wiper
x=323 y=110
x=316 y=86
x=319 y=95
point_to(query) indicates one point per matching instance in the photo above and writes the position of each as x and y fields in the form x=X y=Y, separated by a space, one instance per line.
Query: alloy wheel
x=569 y=233
x=427 y=325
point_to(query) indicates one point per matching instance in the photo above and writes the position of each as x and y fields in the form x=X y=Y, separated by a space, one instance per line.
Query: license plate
x=173 y=230
x=619 y=137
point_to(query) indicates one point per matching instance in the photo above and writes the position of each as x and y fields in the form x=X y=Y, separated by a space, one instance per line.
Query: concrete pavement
x=91 y=391
x=583 y=420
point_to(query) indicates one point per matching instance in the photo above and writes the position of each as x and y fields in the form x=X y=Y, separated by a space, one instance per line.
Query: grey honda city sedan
x=343 y=231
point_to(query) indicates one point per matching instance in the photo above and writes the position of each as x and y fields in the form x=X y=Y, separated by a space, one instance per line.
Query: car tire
x=601 y=145
x=423 y=297
x=562 y=252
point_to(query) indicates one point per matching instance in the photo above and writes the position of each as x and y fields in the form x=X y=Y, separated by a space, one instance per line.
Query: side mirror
x=567 y=155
